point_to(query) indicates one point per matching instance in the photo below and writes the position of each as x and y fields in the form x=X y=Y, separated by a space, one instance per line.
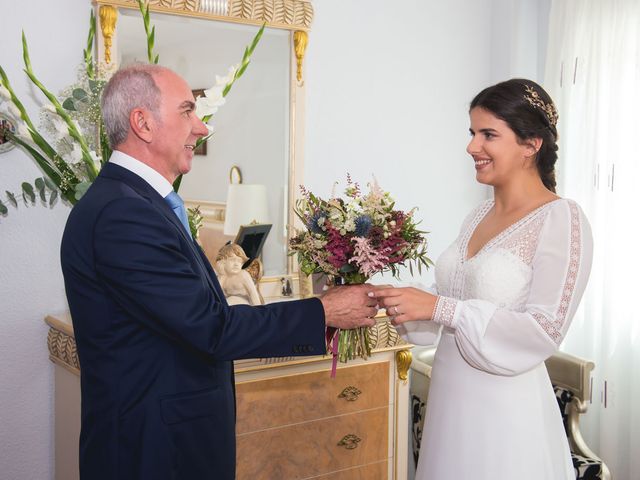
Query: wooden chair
x=570 y=377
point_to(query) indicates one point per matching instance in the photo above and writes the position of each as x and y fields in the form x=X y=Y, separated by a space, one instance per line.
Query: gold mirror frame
x=293 y=15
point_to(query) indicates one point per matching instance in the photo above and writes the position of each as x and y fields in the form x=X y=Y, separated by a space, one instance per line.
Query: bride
x=505 y=293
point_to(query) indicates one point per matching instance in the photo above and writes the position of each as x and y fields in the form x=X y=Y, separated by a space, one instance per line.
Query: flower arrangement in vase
x=72 y=160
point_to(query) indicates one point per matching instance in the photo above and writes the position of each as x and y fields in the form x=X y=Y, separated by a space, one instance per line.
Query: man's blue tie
x=177 y=205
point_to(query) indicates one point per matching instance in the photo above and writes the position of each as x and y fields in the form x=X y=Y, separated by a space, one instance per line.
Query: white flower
x=208 y=105
x=75 y=155
x=60 y=126
x=23 y=131
x=4 y=93
x=13 y=110
x=96 y=158
x=228 y=78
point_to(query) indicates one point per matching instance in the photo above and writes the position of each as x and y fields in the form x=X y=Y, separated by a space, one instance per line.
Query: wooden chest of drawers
x=294 y=422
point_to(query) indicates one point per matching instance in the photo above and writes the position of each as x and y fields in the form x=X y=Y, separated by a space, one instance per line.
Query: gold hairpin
x=549 y=109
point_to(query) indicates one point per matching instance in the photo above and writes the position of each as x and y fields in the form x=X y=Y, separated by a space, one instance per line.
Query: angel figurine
x=238 y=284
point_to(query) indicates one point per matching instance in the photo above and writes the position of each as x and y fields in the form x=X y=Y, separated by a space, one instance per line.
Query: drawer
x=311 y=449
x=299 y=398
x=375 y=471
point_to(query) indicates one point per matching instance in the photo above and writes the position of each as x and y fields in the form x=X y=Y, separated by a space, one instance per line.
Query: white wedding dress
x=492 y=413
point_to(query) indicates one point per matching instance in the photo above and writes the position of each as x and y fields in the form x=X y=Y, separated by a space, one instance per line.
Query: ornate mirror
x=259 y=130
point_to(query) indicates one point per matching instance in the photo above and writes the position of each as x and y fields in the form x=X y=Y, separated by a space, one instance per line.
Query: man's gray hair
x=130 y=87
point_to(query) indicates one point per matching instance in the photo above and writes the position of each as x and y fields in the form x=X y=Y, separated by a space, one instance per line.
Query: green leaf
x=49 y=183
x=94 y=85
x=69 y=104
x=80 y=94
x=81 y=188
x=12 y=198
x=3 y=208
x=177 y=182
x=41 y=189
x=27 y=191
x=52 y=198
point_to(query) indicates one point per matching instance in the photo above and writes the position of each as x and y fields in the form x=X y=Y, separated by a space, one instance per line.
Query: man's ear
x=141 y=123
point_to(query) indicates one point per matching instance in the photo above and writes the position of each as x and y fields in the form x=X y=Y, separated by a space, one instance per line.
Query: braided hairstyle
x=530 y=113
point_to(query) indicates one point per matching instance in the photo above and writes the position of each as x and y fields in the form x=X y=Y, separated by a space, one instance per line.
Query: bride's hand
x=405 y=304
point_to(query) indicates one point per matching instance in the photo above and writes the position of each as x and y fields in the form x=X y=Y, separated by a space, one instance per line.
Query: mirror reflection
x=251 y=130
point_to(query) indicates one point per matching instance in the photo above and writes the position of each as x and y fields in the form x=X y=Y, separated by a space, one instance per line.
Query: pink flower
x=368 y=259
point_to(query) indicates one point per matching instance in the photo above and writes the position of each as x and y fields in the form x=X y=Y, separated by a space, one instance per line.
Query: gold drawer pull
x=349 y=441
x=350 y=394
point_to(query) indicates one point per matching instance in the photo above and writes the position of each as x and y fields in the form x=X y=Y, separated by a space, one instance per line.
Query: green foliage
x=151 y=32
x=42 y=190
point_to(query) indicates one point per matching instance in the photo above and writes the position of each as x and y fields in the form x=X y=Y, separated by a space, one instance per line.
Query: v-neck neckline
x=502 y=233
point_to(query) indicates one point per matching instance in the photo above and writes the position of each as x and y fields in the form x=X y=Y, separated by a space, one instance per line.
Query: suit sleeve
x=153 y=275
x=508 y=342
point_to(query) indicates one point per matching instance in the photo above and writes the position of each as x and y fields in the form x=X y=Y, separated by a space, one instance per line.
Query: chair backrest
x=572 y=373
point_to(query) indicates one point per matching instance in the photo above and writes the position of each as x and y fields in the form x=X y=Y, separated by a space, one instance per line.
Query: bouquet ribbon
x=332 y=337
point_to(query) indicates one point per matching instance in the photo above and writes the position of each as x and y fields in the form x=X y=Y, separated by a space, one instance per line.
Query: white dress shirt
x=144 y=171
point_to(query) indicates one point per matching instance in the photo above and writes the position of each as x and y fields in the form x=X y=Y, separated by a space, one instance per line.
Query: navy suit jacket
x=156 y=338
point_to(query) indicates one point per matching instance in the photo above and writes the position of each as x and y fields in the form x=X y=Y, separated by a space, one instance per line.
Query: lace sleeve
x=508 y=342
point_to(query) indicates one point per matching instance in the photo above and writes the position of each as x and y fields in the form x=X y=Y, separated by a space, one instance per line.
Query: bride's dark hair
x=530 y=113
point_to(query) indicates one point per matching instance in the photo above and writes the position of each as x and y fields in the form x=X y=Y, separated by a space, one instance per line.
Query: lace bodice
x=501 y=271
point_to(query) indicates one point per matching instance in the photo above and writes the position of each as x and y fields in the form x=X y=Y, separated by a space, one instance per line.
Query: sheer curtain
x=593 y=73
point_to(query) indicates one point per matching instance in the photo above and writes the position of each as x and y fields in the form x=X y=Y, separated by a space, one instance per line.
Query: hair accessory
x=549 y=109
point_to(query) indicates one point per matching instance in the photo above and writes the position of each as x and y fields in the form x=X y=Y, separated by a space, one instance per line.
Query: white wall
x=387 y=94
x=30 y=278
x=388 y=90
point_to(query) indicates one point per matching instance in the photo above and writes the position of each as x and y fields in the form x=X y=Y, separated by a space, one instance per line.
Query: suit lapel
x=116 y=172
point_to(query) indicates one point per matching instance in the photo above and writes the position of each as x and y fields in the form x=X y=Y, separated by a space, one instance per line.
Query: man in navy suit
x=155 y=336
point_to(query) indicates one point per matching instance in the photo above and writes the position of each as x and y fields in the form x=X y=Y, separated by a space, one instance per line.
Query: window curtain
x=593 y=73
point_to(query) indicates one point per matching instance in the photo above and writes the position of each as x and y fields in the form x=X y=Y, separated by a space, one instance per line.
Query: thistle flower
x=363 y=226
x=316 y=222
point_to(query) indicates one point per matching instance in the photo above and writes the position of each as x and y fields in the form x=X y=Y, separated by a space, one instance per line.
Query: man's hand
x=349 y=306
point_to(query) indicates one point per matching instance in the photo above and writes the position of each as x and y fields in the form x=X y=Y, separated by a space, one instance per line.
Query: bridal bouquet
x=352 y=238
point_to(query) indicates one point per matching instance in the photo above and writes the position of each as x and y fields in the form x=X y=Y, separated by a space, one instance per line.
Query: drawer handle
x=349 y=441
x=350 y=394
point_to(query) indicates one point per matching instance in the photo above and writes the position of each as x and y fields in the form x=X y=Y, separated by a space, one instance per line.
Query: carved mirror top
x=286 y=14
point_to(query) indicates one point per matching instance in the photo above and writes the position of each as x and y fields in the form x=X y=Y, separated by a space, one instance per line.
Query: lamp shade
x=245 y=204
